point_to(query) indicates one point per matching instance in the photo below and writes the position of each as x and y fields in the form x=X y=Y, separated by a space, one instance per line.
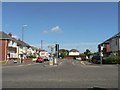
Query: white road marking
x=82 y=63
x=60 y=63
x=73 y=63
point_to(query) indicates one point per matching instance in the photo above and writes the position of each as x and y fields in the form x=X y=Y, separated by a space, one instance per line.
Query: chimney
x=10 y=34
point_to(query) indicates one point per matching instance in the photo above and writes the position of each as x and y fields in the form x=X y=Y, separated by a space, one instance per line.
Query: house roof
x=3 y=35
x=43 y=50
x=34 y=48
x=19 y=42
x=74 y=50
x=108 y=40
x=22 y=43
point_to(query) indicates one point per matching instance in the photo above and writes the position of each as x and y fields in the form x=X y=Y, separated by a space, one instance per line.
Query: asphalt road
x=67 y=74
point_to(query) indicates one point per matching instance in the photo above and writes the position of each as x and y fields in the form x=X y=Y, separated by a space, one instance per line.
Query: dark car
x=40 y=59
x=96 y=59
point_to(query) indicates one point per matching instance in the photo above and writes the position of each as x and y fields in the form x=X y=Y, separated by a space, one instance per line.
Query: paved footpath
x=12 y=64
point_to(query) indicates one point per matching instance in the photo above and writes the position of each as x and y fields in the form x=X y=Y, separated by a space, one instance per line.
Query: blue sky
x=72 y=25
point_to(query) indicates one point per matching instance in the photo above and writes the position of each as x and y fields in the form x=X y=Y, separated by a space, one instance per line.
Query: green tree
x=96 y=53
x=32 y=55
x=63 y=52
x=88 y=53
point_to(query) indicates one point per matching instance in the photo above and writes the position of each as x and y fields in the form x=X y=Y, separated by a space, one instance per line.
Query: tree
x=63 y=52
x=88 y=53
x=96 y=53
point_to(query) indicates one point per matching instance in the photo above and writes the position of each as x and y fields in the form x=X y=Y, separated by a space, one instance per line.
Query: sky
x=80 y=25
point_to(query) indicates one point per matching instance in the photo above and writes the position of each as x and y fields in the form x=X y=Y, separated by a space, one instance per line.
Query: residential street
x=67 y=74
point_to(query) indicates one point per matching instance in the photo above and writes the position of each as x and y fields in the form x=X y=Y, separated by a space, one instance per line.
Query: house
x=111 y=46
x=74 y=52
x=104 y=48
x=44 y=54
x=4 y=40
x=23 y=47
x=33 y=51
x=115 y=44
x=16 y=48
x=12 y=48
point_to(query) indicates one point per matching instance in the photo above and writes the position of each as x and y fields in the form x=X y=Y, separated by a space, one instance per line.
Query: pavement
x=12 y=64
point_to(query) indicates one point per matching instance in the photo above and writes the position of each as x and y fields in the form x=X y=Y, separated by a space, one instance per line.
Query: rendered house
x=44 y=54
x=16 y=48
x=22 y=49
x=33 y=51
x=74 y=52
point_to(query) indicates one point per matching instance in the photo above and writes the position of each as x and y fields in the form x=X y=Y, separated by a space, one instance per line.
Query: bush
x=112 y=59
x=32 y=56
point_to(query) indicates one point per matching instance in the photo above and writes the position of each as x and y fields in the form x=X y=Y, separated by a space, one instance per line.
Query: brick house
x=104 y=48
x=111 y=46
x=4 y=40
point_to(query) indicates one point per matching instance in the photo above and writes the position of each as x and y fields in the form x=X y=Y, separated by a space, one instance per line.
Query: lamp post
x=23 y=28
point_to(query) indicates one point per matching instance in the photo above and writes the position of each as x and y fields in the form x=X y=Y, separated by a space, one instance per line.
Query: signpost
x=53 y=60
x=51 y=54
x=101 y=53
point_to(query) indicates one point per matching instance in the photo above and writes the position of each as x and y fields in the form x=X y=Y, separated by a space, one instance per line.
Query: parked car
x=40 y=59
x=96 y=59
x=46 y=58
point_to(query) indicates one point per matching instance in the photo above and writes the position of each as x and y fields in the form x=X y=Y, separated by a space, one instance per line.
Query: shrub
x=112 y=59
x=32 y=56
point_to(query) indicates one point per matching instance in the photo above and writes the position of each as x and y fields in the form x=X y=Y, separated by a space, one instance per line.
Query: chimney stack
x=10 y=34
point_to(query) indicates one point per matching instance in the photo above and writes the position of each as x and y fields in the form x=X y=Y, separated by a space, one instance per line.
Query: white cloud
x=56 y=29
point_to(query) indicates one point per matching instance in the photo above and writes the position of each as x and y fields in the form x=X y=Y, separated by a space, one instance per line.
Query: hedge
x=113 y=59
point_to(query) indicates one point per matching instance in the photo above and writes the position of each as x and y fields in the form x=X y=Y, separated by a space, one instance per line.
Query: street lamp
x=23 y=28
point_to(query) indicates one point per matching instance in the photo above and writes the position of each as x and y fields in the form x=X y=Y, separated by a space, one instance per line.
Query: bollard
x=55 y=61
x=51 y=61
